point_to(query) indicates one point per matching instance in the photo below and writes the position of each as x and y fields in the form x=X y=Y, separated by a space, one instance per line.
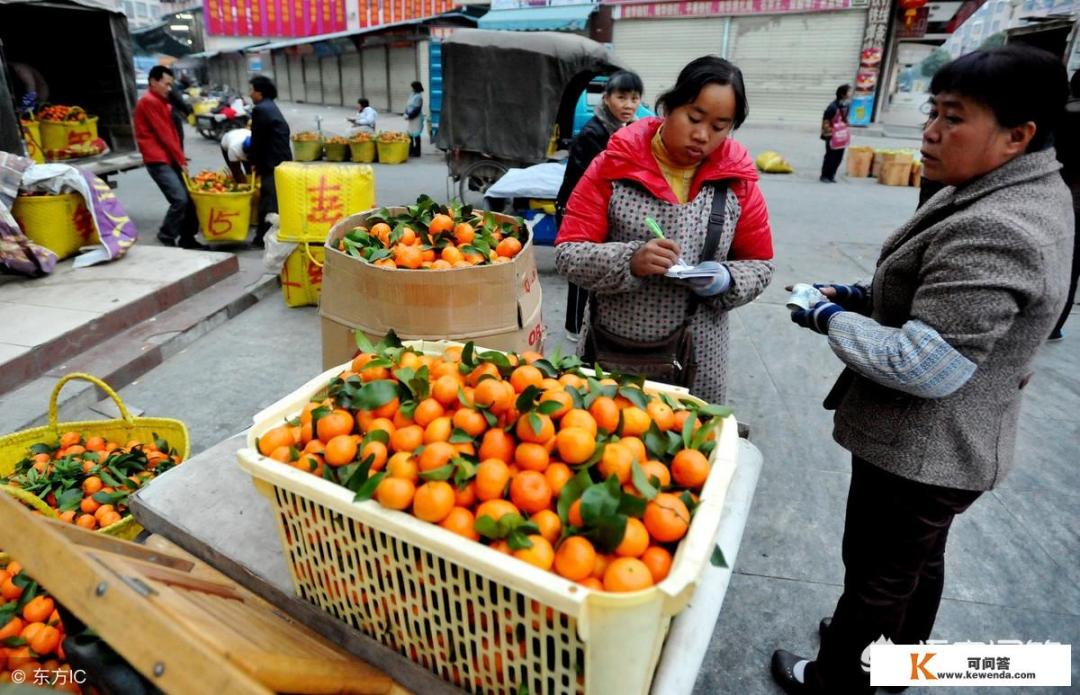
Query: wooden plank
x=230 y=526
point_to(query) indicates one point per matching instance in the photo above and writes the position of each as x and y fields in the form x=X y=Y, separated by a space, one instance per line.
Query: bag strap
x=713 y=233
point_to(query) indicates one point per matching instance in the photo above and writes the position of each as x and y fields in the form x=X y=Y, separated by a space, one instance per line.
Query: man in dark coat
x=269 y=147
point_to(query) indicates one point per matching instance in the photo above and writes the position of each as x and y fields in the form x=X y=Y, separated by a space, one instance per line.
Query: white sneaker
x=573 y=337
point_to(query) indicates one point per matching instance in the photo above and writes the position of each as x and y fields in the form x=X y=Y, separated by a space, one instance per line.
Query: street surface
x=1012 y=568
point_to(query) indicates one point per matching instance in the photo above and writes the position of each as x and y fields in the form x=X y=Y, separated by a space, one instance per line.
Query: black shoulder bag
x=669 y=360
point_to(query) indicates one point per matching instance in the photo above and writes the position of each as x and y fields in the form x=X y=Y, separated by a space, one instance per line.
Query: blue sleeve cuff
x=720 y=284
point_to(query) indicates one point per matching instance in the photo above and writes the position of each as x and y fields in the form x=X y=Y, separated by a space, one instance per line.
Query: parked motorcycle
x=221 y=120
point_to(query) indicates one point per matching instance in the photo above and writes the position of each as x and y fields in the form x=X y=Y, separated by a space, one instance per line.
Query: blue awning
x=552 y=18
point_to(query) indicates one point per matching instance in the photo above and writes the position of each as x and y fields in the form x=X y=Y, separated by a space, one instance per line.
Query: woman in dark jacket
x=617 y=108
x=937 y=350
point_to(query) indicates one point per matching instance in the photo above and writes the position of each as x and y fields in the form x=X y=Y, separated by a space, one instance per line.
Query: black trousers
x=831 y=163
x=414 y=145
x=180 y=223
x=576 y=299
x=267 y=203
x=894 y=560
x=1075 y=265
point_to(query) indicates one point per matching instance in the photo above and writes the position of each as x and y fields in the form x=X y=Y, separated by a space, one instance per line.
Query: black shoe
x=825 y=180
x=1056 y=336
x=192 y=245
x=783 y=663
x=823 y=626
x=166 y=240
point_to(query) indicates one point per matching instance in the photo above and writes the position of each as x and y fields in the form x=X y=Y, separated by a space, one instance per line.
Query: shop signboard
x=634 y=9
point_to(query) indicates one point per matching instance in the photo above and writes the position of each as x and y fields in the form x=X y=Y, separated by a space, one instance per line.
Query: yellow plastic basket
x=313 y=197
x=31 y=131
x=393 y=152
x=60 y=223
x=476 y=617
x=223 y=217
x=13 y=447
x=363 y=152
x=60 y=135
x=301 y=276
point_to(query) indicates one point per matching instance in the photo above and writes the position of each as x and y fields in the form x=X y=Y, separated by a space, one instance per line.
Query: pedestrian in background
x=1068 y=150
x=414 y=114
x=366 y=116
x=835 y=132
x=160 y=147
x=617 y=108
x=269 y=147
x=938 y=349
x=234 y=146
x=684 y=171
x=180 y=110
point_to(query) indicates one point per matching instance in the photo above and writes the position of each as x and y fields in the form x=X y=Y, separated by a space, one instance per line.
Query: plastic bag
x=772 y=163
x=276 y=252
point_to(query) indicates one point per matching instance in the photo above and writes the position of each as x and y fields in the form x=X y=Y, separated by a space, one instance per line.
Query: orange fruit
x=690 y=469
x=12 y=629
x=341 y=450
x=427 y=411
x=495 y=395
x=658 y=560
x=92 y=485
x=309 y=463
x=530 y=456
x=381 y=230
x=408 y=256
x=549 y=524
x=483 y=370
x=667 y=518
x=451 y=255
x=440 y=430
x=338 y=422
x=575 y=558
x=106 y=520
x=395 y=493
x=579 y=418
x=530 y=491
x=469 y=421
x=496 y=509
x=527 y=433
x=637 y=448
x=564 y=399
x=46 y=641
x=497 y=444
x=662 y=414
x=408 y=438
x=606 y=413
x=525 y=376
x=436 y=455
x=655 y=469
x=492 y=475
x=573 y=515
x=403 y=465
x=31 y=630
x=636 y=422
x=95 y=444
x=69 y=439
x=540 y=554
x=461 y=522
x=627 y=574
x=635 y=540
x=464 y=233
x=557 y=474
x=378 y=453
x=275 y=438
x=616 y=461
x=575 y=445
x=87 y=521
x=572 y=380
x=440 y=223
x=445 y=389
x=592 y=583
x=508 y=247
x=433 y=501
x=381 y=423
x=89 y=505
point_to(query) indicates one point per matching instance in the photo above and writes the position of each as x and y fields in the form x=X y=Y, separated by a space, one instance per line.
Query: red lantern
x=911 y=9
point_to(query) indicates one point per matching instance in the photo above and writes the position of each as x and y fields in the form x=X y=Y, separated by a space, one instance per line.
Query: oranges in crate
x=587 y=476
x=429 y=236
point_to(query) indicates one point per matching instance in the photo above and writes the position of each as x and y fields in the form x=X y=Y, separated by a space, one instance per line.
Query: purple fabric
x=115 y=228
x=18 y=254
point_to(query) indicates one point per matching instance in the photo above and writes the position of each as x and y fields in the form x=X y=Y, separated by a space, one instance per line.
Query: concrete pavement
x=1011 y=569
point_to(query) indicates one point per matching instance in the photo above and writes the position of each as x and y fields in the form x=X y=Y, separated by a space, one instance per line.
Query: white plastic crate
x=479 y=619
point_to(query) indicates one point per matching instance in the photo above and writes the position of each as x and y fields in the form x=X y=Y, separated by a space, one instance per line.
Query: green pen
x=654 y=227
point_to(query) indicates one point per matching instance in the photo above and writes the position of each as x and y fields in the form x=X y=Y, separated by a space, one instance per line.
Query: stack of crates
x=311 y=198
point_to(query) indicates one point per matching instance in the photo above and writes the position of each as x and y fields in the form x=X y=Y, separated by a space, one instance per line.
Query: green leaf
x=688 y=430
x=468 y=356
x=518 y=540
x=108 y=479
x=635 y=396
x=535 y=423
x=329 y=474
x=464 y=471
x=487 y=527
x=375 y=436
x=109 y=497
x=527 y=399
x=440 y=473
x=608 y=533
x=600 y=500
x=675 y=442
x=720 y=411
x=702 y=434
x=688 y=500
x=367 y=490
x=641 y=483
x=548 y=408
x=13 y=642
x=718 y=559
x=490 y=417
x=572 y=490
x=318 y=414
x=498 y=359
x=42 y=449
x=655 y=441
x=69 y=500
x=575 y=395
x=363 y=343
x=671 y=402
x=546 y=368
x=632 y=505
x=460 y=436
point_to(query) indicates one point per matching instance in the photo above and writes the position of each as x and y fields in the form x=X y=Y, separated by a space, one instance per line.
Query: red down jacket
x=629 y=157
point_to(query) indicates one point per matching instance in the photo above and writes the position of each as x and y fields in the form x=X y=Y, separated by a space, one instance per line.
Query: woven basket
x=13 y=447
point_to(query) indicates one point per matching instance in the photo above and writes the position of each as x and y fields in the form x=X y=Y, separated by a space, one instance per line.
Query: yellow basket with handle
x=302 y=275
x=13 y=447
x=31 y=131
x=61 y=223
x=223 y=217
x=393 y=152
x=60 y=135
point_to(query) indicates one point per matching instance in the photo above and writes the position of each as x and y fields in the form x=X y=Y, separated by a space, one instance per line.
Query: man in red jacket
x=165 y=160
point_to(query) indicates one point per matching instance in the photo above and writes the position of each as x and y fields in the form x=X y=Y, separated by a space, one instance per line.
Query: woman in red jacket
x=669 y=169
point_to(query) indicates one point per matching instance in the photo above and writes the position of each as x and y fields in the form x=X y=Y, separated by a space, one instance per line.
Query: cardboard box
x=497 y=305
